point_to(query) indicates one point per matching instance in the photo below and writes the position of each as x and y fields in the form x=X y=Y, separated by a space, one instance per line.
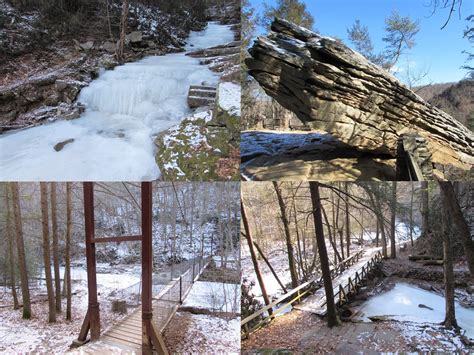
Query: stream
x=125 y=109
x=402 y=303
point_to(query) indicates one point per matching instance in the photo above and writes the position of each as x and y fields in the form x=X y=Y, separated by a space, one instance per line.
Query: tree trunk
x=424 y=208
x=123 y=30
x=256 y=267
x=334 y=247
x=11 y=257
x=25 y=290
x=450 y=317
x=54 y=223
x=377 y=232
x=459 y=222
x=289 y=245
x=67 y=251
x=393 y=249
x=333 y=319
x=46 y=253
x=411 y=213
x=348 y=223
x=108 y=20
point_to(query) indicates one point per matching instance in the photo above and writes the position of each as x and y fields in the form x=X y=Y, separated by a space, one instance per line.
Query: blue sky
x=438 y=50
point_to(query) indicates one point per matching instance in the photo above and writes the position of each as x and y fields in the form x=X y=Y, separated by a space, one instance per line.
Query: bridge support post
x=151 y=336
x=92 y=319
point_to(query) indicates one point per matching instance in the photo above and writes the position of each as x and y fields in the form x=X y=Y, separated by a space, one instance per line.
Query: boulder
x=87 y=46
x=109 y=47
x=332 y=88
x=134 y=37
x=61 y=84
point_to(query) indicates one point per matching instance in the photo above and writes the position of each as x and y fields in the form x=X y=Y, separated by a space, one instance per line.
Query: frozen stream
x=401 y=303
x=125 y=108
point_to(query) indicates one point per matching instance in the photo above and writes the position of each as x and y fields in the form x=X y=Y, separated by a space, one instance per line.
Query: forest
x=43 y=298
x=351 y=267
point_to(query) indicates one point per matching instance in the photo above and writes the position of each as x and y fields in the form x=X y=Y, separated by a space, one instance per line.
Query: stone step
x=197 y=101
x=202 y=87
x=201 y=95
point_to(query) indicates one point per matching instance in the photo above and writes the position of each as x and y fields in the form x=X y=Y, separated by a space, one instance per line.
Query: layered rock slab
x=332 y=88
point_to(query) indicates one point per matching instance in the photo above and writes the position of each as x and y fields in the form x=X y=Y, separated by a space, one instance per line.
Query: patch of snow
x=207 y=334
x=215 y=296
x=229 y=98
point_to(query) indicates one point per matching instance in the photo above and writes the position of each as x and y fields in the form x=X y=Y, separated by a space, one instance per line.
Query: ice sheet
x=125 y=108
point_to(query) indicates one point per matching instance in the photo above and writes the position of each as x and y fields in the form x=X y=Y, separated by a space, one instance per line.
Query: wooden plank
x=130 y=327
x=119 y=341
x=125 y=336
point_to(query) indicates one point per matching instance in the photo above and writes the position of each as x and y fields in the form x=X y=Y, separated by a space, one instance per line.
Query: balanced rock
x=332 y=88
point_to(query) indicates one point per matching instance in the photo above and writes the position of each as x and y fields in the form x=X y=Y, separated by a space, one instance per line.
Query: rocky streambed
x=123 y=110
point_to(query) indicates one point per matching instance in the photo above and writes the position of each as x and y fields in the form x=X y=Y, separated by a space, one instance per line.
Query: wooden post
x=92 y=320
x=180 y=290
x=150 y=335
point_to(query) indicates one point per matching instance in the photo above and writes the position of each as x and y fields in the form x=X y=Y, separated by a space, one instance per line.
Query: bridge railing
x=169 y=299
x=294 y=295
x=342 y=291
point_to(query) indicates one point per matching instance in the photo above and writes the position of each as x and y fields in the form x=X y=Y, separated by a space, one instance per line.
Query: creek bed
x=126 y=108
x=402 y=303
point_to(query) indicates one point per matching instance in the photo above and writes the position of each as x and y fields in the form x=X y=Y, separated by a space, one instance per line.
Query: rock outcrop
x=332 y=88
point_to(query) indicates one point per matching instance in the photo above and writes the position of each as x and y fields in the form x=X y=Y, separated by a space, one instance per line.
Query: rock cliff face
x=332 y=88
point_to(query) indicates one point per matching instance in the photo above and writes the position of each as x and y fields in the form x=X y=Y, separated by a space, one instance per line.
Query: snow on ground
x=37 y=335
x=125 y=108
x=275 y=142
x=279 y=261
x=198 y=333
x=402 y=303
x=229 y=98
x=214 y=296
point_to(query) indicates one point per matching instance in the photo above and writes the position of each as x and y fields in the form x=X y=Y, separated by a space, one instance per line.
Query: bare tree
x=123 y=30
x=333 y=319
x=424 y=208
x=46 y=253
x=450 y=317
x=54 y=224
x=393 y=205
x=289 y=245
x=25 y=290
x=459 y=222
x=256 y=267
x=348 y=220
x=11 y=257
x=67 y=251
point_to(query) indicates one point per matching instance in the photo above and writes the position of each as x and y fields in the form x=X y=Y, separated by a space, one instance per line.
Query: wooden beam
x=125 y=238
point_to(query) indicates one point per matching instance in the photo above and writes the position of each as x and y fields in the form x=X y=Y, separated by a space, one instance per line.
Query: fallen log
x=421 y=257
x=332 y=88
x=433 y=262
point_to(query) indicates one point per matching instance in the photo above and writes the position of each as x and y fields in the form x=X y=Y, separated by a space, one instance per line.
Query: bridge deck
x=316 y=303
x=126 y=336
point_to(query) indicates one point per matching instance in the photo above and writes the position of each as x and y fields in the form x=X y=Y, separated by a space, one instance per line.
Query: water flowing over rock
x=332 y=88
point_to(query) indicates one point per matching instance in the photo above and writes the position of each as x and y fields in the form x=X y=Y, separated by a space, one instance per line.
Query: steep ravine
x=124 y=109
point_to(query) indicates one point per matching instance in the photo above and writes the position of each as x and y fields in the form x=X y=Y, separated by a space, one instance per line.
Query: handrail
x=337 y=268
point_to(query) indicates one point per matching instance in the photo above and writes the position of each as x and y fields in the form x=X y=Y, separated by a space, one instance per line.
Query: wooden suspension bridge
x=346 y=276
x=126 y=336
